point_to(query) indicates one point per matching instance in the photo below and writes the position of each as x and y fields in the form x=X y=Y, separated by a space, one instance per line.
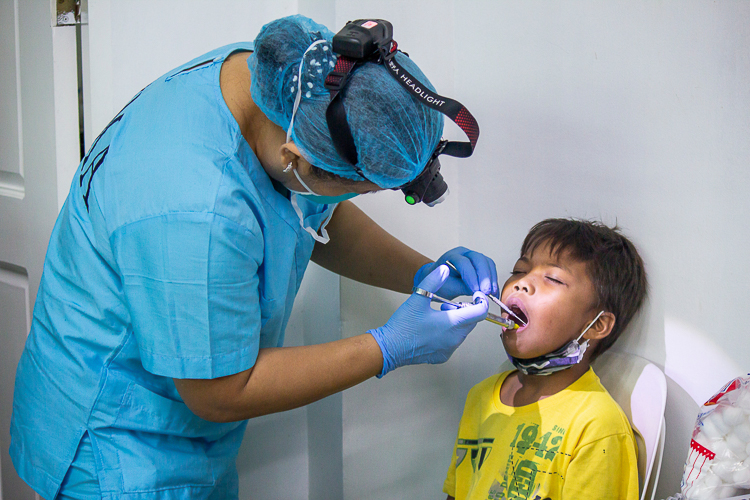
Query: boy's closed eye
x=553 y=278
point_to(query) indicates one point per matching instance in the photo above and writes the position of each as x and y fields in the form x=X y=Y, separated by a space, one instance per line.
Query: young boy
x=549 y=430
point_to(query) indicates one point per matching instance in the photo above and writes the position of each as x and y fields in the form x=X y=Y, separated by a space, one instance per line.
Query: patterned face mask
x=560 y=359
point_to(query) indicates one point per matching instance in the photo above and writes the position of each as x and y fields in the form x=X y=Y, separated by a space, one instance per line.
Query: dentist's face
x=554 y=295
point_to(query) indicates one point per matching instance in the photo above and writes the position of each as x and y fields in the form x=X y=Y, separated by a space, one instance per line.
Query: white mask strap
x=298 y=97
x=590 y=325
x=309 y=191
x=323 y=237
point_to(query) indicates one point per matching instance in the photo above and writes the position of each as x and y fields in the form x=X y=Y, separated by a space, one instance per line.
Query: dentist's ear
x=289 y=153
x=602 y=327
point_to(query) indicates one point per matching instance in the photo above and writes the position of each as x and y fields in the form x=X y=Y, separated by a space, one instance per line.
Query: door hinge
x=70 y=12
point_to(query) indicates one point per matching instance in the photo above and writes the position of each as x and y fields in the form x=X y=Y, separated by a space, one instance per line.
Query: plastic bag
x=718 y=463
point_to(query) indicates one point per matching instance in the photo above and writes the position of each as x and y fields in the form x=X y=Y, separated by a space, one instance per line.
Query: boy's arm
x=606 y=468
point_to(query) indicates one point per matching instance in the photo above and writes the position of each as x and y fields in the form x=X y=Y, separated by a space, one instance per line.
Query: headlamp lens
x=429 y=186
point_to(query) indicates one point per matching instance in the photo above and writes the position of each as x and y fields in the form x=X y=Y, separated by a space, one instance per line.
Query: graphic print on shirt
x=96 y=155
x=530 y=457
x=477 y=449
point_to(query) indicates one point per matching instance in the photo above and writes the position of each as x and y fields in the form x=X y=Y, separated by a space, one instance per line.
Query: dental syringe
x=492 y=318
x=506 y=309
x=499 y=320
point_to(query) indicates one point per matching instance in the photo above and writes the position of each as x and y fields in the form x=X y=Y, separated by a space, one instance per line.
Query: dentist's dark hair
x=612 y=263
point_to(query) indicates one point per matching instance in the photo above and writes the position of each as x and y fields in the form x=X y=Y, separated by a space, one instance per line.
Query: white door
x=38 y=73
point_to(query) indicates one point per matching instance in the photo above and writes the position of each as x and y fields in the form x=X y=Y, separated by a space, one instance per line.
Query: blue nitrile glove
x=478 y=273
x=417 y=333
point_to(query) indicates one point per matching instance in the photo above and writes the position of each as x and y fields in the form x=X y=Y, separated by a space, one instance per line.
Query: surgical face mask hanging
x=317 y=198
x=323 y=236
x=560 y=359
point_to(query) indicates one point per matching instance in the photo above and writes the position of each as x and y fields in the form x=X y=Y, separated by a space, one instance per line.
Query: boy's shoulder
x=592 y=408
x=585 y=402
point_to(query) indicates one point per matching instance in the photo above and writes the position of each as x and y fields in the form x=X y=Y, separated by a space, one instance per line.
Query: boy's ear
x=602 y=327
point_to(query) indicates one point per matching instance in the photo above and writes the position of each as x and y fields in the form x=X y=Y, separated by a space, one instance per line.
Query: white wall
x=628 y=111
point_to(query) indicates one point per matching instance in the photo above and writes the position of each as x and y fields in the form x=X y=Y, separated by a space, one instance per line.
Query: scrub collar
x=560 y=359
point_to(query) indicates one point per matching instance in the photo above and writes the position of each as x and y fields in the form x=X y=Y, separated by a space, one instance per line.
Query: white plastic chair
x=640 y=388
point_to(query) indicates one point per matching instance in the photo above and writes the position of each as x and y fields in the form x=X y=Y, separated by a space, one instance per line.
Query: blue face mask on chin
x=316 y=198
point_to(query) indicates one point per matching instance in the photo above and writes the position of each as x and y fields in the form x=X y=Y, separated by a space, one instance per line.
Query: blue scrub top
x=173 y=257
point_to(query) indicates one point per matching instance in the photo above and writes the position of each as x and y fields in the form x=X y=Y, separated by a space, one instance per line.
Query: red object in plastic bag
x=718 y=464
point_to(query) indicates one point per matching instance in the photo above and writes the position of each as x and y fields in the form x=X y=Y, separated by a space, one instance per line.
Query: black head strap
x=338 y=125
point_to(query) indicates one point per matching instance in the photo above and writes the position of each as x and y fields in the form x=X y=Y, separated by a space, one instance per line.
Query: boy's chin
x=517 y=353
x=512 y=350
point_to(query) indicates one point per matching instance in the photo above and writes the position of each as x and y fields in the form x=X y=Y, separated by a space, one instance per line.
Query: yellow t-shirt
x=575 y=445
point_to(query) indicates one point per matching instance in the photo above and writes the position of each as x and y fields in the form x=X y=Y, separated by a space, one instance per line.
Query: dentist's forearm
x=284 y=378
x=363 y=251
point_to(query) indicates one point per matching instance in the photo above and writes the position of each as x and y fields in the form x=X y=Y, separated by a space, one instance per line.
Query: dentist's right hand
x=417 y=333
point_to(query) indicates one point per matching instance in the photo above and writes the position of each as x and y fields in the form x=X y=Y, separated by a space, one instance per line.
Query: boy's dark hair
x=612 y=263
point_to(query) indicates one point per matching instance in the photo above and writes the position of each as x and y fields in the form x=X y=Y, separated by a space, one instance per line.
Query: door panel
x=28 y=191
x=14 y=308
x=11 y=166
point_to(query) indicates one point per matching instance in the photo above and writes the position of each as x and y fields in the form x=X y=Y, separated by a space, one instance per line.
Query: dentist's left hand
x=474 y=272
x=417 y=333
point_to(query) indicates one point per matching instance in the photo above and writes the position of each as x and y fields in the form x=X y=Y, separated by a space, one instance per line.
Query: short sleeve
x=190 y=281
x=606 y=468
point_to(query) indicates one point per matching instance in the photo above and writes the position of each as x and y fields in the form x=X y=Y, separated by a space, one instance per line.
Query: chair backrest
x=640 y=388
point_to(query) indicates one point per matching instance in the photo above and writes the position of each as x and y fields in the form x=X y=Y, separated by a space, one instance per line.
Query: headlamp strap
x=449 y=107
x=336 y=114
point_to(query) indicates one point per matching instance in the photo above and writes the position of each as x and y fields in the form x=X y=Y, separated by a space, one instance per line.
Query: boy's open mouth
x=521 y=315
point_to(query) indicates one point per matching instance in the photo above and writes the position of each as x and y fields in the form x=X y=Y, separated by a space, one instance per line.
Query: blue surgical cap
x=393 y=132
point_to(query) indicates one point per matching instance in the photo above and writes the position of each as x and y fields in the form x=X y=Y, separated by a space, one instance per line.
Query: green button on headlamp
x=410 y=199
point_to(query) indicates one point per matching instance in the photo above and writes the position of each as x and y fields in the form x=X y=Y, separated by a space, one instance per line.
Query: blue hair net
x=394 y=133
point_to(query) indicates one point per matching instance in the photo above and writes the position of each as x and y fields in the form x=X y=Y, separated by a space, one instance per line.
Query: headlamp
x=429 y=186
x=372 y=40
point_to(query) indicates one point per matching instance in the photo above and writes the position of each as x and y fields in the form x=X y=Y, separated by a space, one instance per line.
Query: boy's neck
x=521 y=390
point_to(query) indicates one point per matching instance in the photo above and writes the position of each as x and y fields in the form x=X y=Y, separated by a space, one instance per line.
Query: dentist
x=173 y=266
